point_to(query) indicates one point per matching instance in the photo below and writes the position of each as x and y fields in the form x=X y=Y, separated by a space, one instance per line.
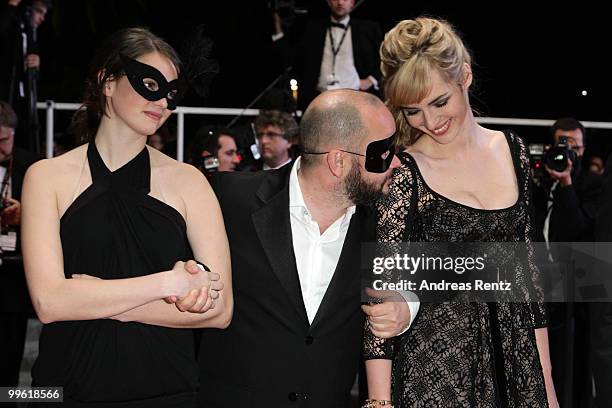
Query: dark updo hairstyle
x=106 y=65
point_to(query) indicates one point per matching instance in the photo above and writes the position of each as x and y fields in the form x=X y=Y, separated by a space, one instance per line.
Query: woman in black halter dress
x=107 y=230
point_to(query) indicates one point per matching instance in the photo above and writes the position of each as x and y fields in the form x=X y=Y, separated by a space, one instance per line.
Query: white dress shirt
x=317 y=254
x=345 y=72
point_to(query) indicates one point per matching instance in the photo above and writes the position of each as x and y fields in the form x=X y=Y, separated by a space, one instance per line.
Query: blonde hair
x=410 y=52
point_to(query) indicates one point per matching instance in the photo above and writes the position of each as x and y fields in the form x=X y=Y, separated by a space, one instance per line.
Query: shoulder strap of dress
x=407 y=160
x=96 y=165
x=520 y=158
x=78 y=182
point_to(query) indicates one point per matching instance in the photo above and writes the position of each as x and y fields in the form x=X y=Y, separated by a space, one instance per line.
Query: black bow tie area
x=339 y=25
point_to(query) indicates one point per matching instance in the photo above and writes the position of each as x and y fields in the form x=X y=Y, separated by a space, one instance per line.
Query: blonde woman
x=459 y=182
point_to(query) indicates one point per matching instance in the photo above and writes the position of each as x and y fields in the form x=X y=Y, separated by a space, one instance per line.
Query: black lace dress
x=463 y=354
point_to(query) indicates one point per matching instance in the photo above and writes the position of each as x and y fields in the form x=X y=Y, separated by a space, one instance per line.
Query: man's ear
x=336 y=162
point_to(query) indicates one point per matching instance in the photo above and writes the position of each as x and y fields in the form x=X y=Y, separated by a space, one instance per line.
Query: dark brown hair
x=283 y=120
x=8 y=117
x=106 y=65
x=207 y=139
x=567 y=124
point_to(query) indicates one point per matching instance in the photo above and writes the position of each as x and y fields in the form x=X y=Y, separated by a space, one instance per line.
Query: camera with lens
x=556 y=158
x=208 y=164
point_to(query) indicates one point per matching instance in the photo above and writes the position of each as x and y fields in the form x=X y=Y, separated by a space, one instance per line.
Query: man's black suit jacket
x=270 y=356
x=603 y=230
x=366 y=39
x=601 y=313
x=574 y=209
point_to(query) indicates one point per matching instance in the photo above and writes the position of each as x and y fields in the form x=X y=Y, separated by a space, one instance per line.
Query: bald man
x=295 y=236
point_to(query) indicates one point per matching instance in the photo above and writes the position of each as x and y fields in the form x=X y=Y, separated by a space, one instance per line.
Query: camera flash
x=584 y=93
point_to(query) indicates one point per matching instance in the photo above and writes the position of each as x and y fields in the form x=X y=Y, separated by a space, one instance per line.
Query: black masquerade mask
x=150 y=83
x=378 y=157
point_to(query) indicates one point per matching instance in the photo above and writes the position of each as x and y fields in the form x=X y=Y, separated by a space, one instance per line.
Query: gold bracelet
x=373 y=403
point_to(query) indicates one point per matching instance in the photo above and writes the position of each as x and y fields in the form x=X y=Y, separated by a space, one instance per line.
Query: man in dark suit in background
x=573 y=197
x=276 y=133
x=601 y=313
x=339 y=52
x=15 y=306
x=295 y=236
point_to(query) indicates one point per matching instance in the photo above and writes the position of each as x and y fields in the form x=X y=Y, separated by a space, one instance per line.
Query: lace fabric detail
x=464 y=354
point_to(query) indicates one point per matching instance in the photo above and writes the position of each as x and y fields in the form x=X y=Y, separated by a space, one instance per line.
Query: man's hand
x=14 y=3
x=564 y=177
x=11 y=215
x=365 y=84
x=278 y=28
x=32 y=61
x=390 y=318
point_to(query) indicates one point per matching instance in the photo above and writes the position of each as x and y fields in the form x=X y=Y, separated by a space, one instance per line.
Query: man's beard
x=359 y=191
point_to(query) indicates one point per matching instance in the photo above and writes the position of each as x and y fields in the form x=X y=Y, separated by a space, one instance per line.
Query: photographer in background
x=15 y=307
x=214 y=149
x=20 y=62
x=572 y=196
x=574 y=191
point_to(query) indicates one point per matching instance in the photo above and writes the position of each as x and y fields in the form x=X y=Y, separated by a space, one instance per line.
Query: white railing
x=181 y=111
x=539 y=122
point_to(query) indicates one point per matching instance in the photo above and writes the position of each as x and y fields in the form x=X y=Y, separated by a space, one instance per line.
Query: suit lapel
x=347 y=268
x=273 y=228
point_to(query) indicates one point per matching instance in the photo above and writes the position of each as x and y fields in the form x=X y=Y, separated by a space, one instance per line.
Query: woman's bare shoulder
x=493 y=139
x=57 y=168
x=181 y=179
x=172 y=168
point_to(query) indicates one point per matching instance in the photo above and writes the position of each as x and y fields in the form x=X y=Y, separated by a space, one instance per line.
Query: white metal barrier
x=181 y=111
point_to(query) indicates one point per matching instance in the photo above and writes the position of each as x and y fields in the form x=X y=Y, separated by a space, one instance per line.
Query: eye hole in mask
x=172 y=94
x=151 y=84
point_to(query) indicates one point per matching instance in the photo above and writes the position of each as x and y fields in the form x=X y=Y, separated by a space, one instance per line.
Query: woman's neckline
x=487 y=210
